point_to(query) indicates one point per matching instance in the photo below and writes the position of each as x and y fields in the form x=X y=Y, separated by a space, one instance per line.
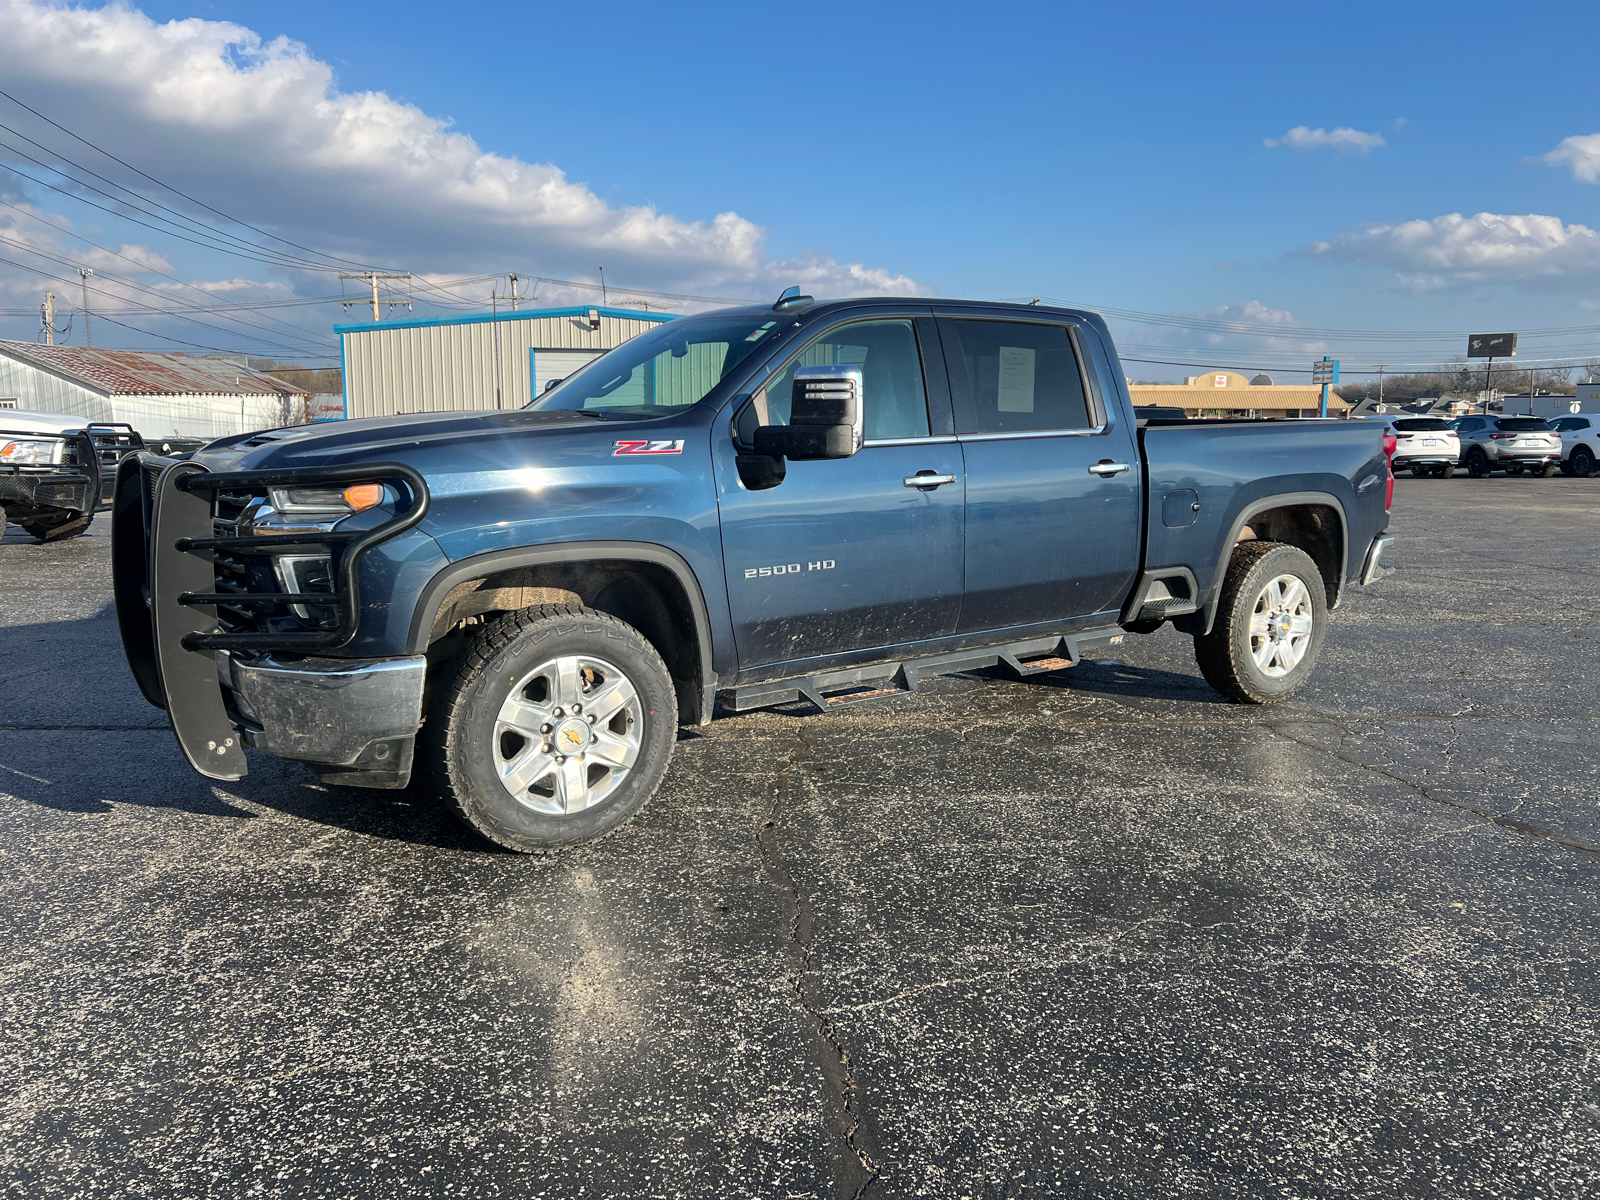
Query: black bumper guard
x=87 y=463
x=164 y=577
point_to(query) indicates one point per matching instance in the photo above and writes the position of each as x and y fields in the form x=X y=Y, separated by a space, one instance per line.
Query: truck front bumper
x=355 y=719
x=49 y=489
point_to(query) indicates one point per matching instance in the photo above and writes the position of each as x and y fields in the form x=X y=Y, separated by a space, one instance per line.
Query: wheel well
x=646 y=595
x=1315 y=528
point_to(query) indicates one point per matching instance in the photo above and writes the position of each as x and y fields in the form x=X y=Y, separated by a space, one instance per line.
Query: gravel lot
x=1098 y=935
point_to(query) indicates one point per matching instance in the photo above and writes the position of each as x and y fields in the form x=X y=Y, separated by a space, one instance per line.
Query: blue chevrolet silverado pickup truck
x=785 y=503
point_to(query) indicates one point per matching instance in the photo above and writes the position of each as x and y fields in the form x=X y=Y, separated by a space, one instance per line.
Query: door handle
x=927 y=480
x=1105 y=468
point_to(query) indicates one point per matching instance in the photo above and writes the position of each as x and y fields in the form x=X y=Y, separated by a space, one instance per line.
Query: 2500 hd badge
x=825 y=564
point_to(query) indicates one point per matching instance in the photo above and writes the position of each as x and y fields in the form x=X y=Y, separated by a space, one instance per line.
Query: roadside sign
x=1325 y=370
x=1492 y=345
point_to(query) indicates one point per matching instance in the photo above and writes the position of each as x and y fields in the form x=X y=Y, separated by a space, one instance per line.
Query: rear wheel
x=1477 y=463
x=1269 y=624
x=556 y=727
x=1582 y=461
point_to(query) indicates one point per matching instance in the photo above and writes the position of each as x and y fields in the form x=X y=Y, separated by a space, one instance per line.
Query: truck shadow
x=1113 y=677
x=77 y=737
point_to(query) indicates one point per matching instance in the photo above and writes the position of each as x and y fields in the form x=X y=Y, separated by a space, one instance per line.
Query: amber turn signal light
x=363 y=496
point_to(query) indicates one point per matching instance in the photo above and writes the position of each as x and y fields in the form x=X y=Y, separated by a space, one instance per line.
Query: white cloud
x=1239 y=333
x=1483 y=248
x=1580 y=152
x=1344 y=140
x=260 y=129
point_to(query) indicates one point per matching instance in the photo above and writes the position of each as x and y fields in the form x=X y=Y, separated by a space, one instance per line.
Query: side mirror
x=551 y=383
x=825 y=416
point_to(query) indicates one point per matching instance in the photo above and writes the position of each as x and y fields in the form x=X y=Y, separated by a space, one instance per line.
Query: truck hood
x=336 y=442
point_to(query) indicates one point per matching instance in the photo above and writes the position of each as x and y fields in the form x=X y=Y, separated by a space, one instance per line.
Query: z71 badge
x=641 y=447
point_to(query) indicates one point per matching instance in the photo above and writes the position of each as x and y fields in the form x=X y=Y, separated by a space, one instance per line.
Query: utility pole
x=1381 y=366
x=49 y=314
x=372 y=277
x=602 y=285
x=513 y=293
x=83 y=282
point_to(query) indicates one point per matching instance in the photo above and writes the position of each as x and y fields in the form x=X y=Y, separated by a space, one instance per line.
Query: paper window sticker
x=1016 y=379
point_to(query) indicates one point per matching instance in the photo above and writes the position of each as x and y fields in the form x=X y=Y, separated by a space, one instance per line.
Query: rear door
x=1054 y=489
x=850 y=554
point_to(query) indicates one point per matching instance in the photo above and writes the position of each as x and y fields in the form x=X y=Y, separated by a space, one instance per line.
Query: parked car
x=791 y=503
x=56 y=469
x=1427 y=445
x=1511 y=444
x=1580 y=443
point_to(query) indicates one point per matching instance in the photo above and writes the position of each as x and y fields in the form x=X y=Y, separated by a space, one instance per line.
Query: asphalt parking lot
x=1099 y=935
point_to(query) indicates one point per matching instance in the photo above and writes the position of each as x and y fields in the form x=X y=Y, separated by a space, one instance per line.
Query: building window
x=9 y=402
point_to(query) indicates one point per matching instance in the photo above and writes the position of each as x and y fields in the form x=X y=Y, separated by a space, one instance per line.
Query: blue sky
x=1109 y=155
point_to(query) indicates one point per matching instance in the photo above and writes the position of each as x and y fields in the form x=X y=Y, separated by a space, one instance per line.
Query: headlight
x=304 y=501
x=32 y=451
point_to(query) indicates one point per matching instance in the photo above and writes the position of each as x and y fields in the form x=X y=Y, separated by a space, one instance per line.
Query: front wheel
x=1269 y=624
x=555 y=727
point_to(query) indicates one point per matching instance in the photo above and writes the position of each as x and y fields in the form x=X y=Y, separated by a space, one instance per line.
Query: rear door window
x=1014 y=377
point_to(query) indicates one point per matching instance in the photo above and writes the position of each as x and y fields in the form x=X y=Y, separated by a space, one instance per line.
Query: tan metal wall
x=482 y=364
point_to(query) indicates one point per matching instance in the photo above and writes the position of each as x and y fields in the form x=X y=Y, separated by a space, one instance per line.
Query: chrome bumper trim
x=327 y=710
x=1374 y=569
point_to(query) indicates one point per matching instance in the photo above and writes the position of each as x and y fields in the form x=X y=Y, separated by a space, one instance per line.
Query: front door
x=1053 y=480
x=844 y=555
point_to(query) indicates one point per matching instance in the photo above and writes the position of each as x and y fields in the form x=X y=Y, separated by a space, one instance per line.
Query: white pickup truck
x=56 y=469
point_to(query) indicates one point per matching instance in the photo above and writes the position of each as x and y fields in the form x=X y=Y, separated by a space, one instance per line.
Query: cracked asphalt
x=1099 y=934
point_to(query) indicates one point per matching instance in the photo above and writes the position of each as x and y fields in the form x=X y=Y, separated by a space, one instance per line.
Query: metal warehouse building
x=160 y=395
x=500 y=360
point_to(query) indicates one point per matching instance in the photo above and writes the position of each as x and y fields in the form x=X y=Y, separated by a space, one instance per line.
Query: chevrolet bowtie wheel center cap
x=572 y=737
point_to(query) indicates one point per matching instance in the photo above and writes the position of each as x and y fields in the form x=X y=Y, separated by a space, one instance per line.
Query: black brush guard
x=164 y=579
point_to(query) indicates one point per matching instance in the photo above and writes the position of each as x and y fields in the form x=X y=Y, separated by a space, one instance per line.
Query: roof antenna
x=792 y=298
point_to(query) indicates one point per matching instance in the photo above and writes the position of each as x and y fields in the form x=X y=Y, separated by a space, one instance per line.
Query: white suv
x=1580 y=443
x=1427 y=445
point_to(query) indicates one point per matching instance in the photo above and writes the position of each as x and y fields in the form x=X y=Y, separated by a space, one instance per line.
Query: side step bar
x=832 y=690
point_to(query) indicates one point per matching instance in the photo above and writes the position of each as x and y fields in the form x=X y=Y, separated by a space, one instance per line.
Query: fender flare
x=478 y=565
x=1200 y=622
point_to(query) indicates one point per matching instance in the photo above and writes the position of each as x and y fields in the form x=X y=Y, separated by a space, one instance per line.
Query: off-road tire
x=1477 y=463
x=1225 y=655
x=1583 y=462
x=60 y=531
x=462 y=718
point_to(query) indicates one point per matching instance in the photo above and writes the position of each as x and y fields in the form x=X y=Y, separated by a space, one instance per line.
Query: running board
x=833 y=690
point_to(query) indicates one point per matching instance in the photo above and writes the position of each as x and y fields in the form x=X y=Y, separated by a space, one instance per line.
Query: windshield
x=1421 y=424
x=1524 y=424
x=665 y=370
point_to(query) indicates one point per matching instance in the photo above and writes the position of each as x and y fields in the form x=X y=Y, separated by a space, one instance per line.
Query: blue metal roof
x=525 y=314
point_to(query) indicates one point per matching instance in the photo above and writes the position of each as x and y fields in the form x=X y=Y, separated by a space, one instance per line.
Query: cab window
x=1014 y=377
x=895 y=399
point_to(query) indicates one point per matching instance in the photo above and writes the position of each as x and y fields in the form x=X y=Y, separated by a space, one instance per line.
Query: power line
x=175 y=191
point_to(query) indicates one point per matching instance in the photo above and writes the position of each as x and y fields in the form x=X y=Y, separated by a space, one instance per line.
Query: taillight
x=1389 y=444
x=1501 y=437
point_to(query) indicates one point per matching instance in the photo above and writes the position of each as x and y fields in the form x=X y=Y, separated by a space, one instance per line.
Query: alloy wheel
x=1280 y=626
x=567 y=734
